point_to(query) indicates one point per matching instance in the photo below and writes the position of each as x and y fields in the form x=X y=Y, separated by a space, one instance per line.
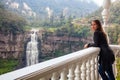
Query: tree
x=11 y=22
x=114 y=32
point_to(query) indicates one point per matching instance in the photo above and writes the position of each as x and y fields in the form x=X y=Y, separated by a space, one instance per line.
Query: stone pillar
x=83 y=68
x=71 y=74
x=105 y=12
x=78 y=71
x=54 y=76
x=105 y=15
x=63 y=74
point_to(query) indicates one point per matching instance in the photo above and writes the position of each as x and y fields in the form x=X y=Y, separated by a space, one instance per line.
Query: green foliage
x=74 y=31
x=27 y=28
x=11 y=22
x=7 y=65
x=58 y=53
x=115 y=12
x=69 y=29
x=113 y=33
x=118 y=68
x=95 y=15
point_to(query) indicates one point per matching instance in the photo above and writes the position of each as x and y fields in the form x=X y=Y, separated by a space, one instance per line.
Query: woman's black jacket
x=106 y=55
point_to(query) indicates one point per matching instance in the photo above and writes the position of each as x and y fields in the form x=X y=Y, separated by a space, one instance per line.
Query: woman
x=106 y=56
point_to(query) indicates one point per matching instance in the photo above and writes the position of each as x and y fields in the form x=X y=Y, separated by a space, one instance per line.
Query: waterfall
x=32 y=50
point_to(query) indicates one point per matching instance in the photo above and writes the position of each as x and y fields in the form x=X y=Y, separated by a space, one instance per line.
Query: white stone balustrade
x=80 y=65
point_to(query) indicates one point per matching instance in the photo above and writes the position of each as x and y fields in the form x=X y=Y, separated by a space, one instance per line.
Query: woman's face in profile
x=93 y=26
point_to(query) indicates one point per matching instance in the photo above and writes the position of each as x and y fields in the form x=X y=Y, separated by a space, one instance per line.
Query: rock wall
x=50 y=44
x=11 y=46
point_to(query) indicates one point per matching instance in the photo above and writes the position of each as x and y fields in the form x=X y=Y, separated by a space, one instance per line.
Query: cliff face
x=14 y=46
x=11 y=46
x=53 y=45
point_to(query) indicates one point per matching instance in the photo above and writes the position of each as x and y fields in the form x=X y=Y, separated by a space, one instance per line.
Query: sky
x=100 y=2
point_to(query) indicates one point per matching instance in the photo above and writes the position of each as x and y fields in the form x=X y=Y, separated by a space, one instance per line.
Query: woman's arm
x=96 y=38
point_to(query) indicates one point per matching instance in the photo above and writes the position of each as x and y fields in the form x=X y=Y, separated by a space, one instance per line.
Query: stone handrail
x=116 y=49
x=80 y=65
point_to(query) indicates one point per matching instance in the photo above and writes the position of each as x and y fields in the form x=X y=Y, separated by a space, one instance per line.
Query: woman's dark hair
x=100 y=28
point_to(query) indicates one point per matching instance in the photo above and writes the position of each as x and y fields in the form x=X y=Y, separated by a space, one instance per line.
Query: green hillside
x=114 y=17
x=115 y=12
x=10 y=22
x=114 y=21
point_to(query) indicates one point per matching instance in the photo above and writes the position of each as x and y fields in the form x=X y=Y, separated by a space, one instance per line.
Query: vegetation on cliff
x=7 y=65
x=10 y=25
x=10 y=22
x=118 y=68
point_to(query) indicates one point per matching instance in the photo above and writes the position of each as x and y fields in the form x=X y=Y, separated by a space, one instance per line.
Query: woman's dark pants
x=106 y=74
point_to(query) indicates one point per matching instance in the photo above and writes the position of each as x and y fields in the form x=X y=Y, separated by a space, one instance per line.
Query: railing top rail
x=115 y=46
x=48 y=65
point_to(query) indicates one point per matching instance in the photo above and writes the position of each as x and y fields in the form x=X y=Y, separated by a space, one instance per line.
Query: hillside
x=114 y=17
x=43 y=8
x=10 y=22
x=115 y=12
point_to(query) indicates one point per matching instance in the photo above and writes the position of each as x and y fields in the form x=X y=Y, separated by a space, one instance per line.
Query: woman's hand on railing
x=86 y=46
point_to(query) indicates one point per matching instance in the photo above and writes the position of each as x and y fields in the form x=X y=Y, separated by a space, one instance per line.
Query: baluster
x=105 y=12
x=105 y=15
x=83 y=68
x=88 y=70
x=78 y=71
x=93 y=68
x=96 y=69
x=55 y=76
x=63 y=74
x=71 y=73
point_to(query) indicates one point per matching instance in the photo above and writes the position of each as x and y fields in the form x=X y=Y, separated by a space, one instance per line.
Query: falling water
x=32 y=50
